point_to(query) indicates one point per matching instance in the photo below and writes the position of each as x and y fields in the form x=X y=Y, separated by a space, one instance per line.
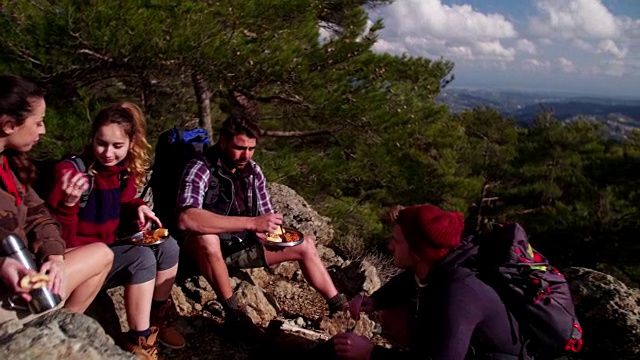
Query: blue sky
x=569 y=46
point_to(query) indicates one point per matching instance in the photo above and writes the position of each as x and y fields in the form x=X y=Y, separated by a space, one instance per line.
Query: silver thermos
x=42 y=299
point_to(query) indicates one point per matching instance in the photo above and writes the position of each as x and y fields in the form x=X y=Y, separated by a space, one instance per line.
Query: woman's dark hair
x=16 y=100
x=237 y=125
x=16 y=97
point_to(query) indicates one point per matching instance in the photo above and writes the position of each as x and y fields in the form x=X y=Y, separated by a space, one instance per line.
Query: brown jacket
x=31 y=221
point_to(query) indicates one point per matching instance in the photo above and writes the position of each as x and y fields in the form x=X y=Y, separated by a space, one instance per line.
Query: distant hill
x=618 y=115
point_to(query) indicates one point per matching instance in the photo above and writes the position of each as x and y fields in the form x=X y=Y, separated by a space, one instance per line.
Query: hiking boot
x=168 y=335
x=146 y=348
x=338 y=304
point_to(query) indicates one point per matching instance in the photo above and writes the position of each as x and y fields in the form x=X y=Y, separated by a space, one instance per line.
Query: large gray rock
x=609 y=313
x=358 y=276
x=59 y=335
x=298 y=214
x=259 y=309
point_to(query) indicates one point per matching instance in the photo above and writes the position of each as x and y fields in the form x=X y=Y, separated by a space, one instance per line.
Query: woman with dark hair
x=116 y=162
x=77 y=273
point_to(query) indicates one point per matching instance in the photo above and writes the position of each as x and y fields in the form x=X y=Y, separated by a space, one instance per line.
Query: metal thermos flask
x=42 y=299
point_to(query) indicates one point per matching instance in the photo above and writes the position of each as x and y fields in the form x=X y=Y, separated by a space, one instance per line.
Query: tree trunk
x=203 y=97
x=148 y=96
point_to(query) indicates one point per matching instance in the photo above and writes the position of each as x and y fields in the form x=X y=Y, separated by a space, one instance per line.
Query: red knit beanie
x=431 y=226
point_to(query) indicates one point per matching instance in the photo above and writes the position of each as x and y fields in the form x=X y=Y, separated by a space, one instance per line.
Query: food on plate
x=276 y=235
x=291 y=237
x=152 y=236
x=34 y=281
x=282 y=235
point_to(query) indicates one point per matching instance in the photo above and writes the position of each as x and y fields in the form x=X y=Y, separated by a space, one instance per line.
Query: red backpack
x=536 y=293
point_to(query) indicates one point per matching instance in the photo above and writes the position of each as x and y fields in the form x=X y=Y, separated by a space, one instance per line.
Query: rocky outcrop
x=298 y=214
x=354 y=277
x=58 y=335
x=280 y=298
x=609 y=312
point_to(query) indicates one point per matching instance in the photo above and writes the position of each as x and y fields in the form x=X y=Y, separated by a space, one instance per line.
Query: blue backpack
x=535 y=292
x=174 y=149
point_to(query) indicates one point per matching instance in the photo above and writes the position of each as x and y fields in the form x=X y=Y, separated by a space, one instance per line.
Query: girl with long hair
x=116 y=162
x=77 y=273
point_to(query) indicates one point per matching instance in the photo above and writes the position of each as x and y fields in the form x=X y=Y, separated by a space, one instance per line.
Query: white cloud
x=566 y=65
x=583 y=45
x=545 y=41
x=564 y=39
x=588 y=26
x=430 y=28
x=609 y=46
x=526 y=46
x=461 y=52
x=575 y=19
x=433 y=18
x=614 y=68
x=536 y=66
x=385 y=46
x=494 y=50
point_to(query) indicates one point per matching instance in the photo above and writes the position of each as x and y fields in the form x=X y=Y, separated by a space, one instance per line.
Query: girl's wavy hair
x=17 y=96
x=131 y=119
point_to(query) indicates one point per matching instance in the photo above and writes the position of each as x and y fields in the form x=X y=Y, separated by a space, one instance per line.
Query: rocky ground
x=607 y=309
x=278 y=299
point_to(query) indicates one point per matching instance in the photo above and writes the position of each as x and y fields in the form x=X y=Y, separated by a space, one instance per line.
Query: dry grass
x=354 y=248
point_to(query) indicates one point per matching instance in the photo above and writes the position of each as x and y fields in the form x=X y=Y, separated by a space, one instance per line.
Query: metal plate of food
x=285 y=237
x=147 y=237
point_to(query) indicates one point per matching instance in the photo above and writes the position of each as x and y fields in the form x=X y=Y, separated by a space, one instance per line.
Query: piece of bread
x=34 y=281
x=160 y=233
x=275 y=237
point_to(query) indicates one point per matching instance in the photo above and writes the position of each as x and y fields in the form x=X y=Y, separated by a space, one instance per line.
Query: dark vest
x=219 y=197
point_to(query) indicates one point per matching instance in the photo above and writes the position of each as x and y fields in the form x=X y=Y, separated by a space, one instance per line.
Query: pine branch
x=23 y=54
x=96 y=55
x=272 y=98
x=292 y=134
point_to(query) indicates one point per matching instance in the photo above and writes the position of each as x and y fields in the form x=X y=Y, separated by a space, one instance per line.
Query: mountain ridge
x=619 y=115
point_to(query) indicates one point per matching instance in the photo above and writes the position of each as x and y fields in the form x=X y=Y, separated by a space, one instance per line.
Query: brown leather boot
x=146 y=348
x=168 y=335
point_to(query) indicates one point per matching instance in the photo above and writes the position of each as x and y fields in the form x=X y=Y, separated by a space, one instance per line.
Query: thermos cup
x=42 y=299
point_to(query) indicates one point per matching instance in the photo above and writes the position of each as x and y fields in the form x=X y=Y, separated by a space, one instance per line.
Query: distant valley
x=618 y=115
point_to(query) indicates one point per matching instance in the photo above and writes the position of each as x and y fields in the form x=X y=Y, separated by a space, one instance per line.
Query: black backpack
x=535 y=292
x=174 y=149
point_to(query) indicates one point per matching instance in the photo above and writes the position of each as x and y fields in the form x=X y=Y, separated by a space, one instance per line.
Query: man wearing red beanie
x=435 y=309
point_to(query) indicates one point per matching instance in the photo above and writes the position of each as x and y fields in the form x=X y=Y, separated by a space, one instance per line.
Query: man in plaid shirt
x=224 y=207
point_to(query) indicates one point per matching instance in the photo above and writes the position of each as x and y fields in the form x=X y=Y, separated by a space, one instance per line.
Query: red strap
x=9 y=181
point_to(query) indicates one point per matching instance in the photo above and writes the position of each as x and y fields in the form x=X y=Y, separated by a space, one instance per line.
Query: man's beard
x=240 y=164
x=233 y=165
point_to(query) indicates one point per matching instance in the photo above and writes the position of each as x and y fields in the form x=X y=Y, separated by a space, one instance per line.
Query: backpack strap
x=79 y=165
x=145 y=190
x=179 y=134
x=123 y=180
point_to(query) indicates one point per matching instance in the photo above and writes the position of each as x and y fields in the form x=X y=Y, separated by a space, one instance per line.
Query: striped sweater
x=106 y=207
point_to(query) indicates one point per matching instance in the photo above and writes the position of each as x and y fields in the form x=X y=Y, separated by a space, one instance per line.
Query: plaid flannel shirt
x=195 y=181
